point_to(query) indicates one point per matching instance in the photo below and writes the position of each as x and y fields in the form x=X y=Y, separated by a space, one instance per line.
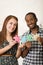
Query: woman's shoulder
x=3 y=44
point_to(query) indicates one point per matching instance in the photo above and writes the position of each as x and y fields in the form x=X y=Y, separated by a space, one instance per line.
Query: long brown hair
x=3 y=32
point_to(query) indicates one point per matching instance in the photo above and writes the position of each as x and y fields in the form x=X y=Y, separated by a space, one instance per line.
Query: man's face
x=31 y=21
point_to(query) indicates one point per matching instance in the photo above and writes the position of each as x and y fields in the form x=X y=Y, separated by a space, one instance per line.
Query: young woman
x=8 y=46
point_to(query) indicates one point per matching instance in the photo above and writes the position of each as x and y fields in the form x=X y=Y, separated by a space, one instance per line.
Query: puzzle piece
x=16 y=38
x=23 y=39
x=26 y=38
x=29 y=37
x=35 y=37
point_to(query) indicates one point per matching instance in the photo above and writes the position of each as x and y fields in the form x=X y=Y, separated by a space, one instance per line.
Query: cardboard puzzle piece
x=16 y=38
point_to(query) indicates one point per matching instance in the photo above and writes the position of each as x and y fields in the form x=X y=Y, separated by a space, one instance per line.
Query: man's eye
x=27 y=21
x=31 y=19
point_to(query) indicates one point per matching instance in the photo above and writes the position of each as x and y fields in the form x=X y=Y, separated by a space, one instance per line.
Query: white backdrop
x=19 y=8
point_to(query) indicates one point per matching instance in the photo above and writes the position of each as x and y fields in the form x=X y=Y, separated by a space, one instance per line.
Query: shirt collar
x=39 y=30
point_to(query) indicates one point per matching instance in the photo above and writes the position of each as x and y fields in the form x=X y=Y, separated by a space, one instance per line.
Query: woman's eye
x=14 y=24
x=11 y=23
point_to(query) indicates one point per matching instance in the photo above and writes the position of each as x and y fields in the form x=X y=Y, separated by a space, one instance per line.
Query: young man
x=35 y=53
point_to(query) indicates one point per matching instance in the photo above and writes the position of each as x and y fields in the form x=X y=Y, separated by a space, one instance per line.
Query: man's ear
x=36 y=20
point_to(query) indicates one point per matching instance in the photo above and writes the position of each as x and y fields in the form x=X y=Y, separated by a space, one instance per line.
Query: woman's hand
x=21 y=46
x=6 y=48
x=27 y=44
x=12 y=43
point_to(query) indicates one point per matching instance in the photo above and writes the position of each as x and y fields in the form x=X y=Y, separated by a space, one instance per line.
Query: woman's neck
x=8 y=37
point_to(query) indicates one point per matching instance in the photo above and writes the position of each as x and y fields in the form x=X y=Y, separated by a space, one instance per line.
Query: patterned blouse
x=9 y=60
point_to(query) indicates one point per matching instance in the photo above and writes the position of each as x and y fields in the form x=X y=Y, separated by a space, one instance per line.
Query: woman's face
x=11 y=25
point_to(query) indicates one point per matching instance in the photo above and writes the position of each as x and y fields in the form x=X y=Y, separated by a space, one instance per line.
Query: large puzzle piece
x=16 y=38
x=29 y=37
x=26 y=38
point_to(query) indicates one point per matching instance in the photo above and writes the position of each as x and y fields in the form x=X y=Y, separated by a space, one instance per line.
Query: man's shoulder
x=41 y=30
x=27 y=32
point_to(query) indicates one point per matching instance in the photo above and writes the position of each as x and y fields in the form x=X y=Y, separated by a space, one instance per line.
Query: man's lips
x=30 y=25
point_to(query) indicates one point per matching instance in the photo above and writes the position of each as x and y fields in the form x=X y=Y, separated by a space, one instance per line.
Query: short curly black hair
x=34 y=15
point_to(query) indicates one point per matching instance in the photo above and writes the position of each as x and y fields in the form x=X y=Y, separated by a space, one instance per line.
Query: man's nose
x=29 y=22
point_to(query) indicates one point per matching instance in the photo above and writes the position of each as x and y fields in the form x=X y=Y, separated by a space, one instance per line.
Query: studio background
x=19 y=8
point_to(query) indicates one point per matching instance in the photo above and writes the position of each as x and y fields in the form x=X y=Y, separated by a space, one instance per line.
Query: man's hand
x=39 y=39
x=28 y=44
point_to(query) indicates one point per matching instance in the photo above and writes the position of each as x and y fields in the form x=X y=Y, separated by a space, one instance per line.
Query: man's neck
x=35 y=29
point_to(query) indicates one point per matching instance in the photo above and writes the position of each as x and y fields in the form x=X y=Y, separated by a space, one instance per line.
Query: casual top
x=35 y=53
x=9 y=60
